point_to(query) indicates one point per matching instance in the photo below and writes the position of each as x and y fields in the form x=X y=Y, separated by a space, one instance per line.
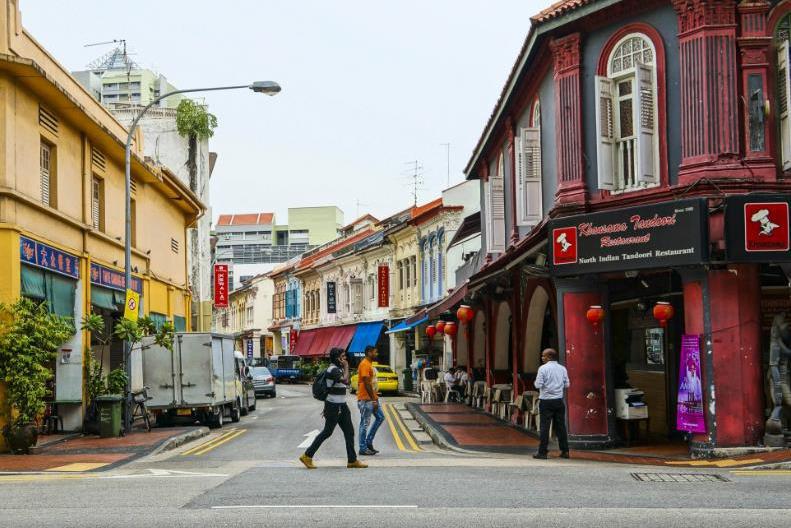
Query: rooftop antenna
x=447 y=146
x=106 y=62
x=359 y=203
x=415 y=174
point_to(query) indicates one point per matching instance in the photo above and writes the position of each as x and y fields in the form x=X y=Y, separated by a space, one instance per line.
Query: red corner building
x=640 y=154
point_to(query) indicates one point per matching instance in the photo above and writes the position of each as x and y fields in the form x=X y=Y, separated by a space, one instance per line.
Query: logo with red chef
x=564 y=245
x=766 y=227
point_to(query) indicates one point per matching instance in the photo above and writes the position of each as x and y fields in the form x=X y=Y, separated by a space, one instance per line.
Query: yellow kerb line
x=405 y=429
x=393 y=429
x=210 y=442
x=225 y=439
x=760 y=472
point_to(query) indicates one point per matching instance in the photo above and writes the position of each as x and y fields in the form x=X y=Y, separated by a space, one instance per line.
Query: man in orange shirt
x=368 y=401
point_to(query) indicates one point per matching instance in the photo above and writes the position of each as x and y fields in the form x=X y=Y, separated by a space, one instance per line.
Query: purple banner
x=689 y=414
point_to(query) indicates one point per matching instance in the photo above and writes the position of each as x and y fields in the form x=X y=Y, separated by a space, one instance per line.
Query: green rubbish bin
x=408 y=380
x=109 y=415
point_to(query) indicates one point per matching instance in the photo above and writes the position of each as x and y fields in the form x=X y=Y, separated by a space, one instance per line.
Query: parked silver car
x=263 y=382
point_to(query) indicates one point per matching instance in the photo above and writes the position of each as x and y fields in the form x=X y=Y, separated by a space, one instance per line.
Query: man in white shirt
x=552 y=380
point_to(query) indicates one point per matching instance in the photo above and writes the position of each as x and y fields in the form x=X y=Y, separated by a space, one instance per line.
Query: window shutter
x=45 y=164
x=498 y=213
x=95 y=203
x=605 y=136
x=531 y=184
x=784 y=97
x=645 y=117
x=357 y=291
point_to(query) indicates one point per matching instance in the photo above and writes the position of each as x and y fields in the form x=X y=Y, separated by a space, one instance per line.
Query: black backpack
x=320 y=389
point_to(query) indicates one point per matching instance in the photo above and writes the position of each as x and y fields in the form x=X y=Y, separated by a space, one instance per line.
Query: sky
x=369 y=87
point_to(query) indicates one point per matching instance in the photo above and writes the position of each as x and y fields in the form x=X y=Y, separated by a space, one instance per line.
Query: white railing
x=626 y=157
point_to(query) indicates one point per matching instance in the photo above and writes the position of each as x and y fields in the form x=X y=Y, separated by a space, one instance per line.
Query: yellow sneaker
x=307 y=461
x=356 y=465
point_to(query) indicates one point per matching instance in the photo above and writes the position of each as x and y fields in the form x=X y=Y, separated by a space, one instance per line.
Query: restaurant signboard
x=651 y=236
x=757 y=228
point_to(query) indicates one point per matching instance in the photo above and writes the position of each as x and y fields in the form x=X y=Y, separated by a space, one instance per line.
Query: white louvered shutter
x=45 y=164
x=497 y=209
x=531 y=181
x=605 y=137
x=784 y=98
x=357 y=301
x=95 y=203
x=645 y=120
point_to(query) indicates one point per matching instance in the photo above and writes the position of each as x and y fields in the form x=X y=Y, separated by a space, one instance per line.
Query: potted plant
x=29 y=340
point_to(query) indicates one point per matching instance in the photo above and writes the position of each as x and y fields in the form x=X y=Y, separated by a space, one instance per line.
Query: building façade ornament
x=566 y=52
x=697 y=14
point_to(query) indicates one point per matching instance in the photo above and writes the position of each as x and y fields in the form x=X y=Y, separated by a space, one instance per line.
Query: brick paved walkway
x=90 y=452
x=472 y=429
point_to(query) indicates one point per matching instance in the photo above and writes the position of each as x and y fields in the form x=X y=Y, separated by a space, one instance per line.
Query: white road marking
x=166 y=473
x=309 y=440
x=316 y=506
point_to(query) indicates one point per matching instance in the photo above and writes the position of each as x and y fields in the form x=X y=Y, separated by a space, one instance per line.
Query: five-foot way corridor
x=247 y=474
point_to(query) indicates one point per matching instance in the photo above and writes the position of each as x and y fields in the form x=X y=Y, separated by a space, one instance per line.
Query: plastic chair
x=450 y=391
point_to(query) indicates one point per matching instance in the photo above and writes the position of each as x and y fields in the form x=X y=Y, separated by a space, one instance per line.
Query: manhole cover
x=678 y=477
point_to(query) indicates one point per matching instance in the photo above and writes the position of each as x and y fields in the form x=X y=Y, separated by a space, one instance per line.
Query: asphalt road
x=247 y=474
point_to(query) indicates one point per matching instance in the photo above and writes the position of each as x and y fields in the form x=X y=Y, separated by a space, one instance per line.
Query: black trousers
x=336 y=414
x=554 y=412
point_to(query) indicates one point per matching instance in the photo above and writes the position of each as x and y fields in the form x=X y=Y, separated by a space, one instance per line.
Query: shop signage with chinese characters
x=221 y=285
x=331 y=302
x=115 y=280
x=49 y=258
x=757 y=228
x=384 y=286
x=650 y=236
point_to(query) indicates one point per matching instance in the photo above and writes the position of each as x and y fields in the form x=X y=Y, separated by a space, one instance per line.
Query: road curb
x=437 y=436
x=179 y=440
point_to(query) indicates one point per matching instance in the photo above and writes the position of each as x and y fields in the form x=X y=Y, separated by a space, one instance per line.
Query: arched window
x=528 y=170
x=626 y=114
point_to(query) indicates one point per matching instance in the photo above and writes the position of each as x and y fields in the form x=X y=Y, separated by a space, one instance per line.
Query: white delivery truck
x=202 y=379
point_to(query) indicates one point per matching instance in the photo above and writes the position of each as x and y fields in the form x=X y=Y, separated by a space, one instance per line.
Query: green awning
x=105 y=298
x=33 y=283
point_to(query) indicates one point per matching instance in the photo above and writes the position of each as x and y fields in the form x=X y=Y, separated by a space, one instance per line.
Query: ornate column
x=568 y=116
x=710 y=145
x=754 y=50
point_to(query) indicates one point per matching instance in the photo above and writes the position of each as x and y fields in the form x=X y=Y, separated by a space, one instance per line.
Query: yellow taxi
x=387 y=380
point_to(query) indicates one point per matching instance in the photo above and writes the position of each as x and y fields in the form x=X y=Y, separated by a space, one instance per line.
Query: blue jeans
x=366 y=410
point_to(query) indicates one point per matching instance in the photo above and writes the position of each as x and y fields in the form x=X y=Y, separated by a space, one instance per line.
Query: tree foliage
x=29 y=340
x=193 y=120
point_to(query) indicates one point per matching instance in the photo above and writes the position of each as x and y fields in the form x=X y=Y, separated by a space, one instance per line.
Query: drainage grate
x=678 y=477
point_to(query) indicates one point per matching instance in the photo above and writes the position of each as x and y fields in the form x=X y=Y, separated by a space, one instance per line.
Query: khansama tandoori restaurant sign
x=650 y=236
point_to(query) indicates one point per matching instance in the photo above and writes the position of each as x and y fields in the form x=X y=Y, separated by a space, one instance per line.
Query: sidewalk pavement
x=462 y=428
x=76 y=453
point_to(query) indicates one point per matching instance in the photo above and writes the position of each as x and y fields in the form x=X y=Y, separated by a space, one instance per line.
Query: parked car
x=385 y=377
x=264 y=382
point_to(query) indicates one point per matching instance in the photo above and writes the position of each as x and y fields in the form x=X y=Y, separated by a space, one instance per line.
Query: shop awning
x=448 y=303
x=318 y=341
x=367 y=334
x=404 y=325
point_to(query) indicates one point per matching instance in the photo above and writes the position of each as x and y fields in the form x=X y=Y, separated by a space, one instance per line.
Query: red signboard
x=384 y=286
x=766 y=226
x=564 y=245
x=221 y=285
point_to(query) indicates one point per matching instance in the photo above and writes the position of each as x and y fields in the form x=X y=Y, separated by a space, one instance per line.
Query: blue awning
x=367 y=334
x=403 y=326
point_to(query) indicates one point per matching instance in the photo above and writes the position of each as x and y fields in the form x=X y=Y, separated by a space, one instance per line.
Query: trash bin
x=408 y=380
x=109 y=415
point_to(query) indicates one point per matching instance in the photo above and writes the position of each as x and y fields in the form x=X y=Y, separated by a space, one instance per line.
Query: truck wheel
x=215 y=418
x=236 y=412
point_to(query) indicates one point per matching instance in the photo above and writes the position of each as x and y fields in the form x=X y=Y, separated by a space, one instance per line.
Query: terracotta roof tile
x=246 y=219
x=559 y=8
x=332 y=248
x=420 y=209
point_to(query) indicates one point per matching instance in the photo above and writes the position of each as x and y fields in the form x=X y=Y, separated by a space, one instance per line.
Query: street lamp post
x=264 y=87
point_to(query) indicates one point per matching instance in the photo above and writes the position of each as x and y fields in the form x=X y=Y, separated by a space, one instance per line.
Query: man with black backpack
x=330 y=387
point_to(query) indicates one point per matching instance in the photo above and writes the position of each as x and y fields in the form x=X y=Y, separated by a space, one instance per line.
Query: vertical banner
x=689 y=414
x=132 y=307
x=221 y=285
x=331 y=306
x=384 y=286
x=249 y=349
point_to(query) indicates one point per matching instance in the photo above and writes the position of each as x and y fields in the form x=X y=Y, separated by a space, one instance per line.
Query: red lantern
x=430 y=331
x=663 y=312
x=595 y=315
x=450 y=329
x=465 y=314
x=440 y=326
